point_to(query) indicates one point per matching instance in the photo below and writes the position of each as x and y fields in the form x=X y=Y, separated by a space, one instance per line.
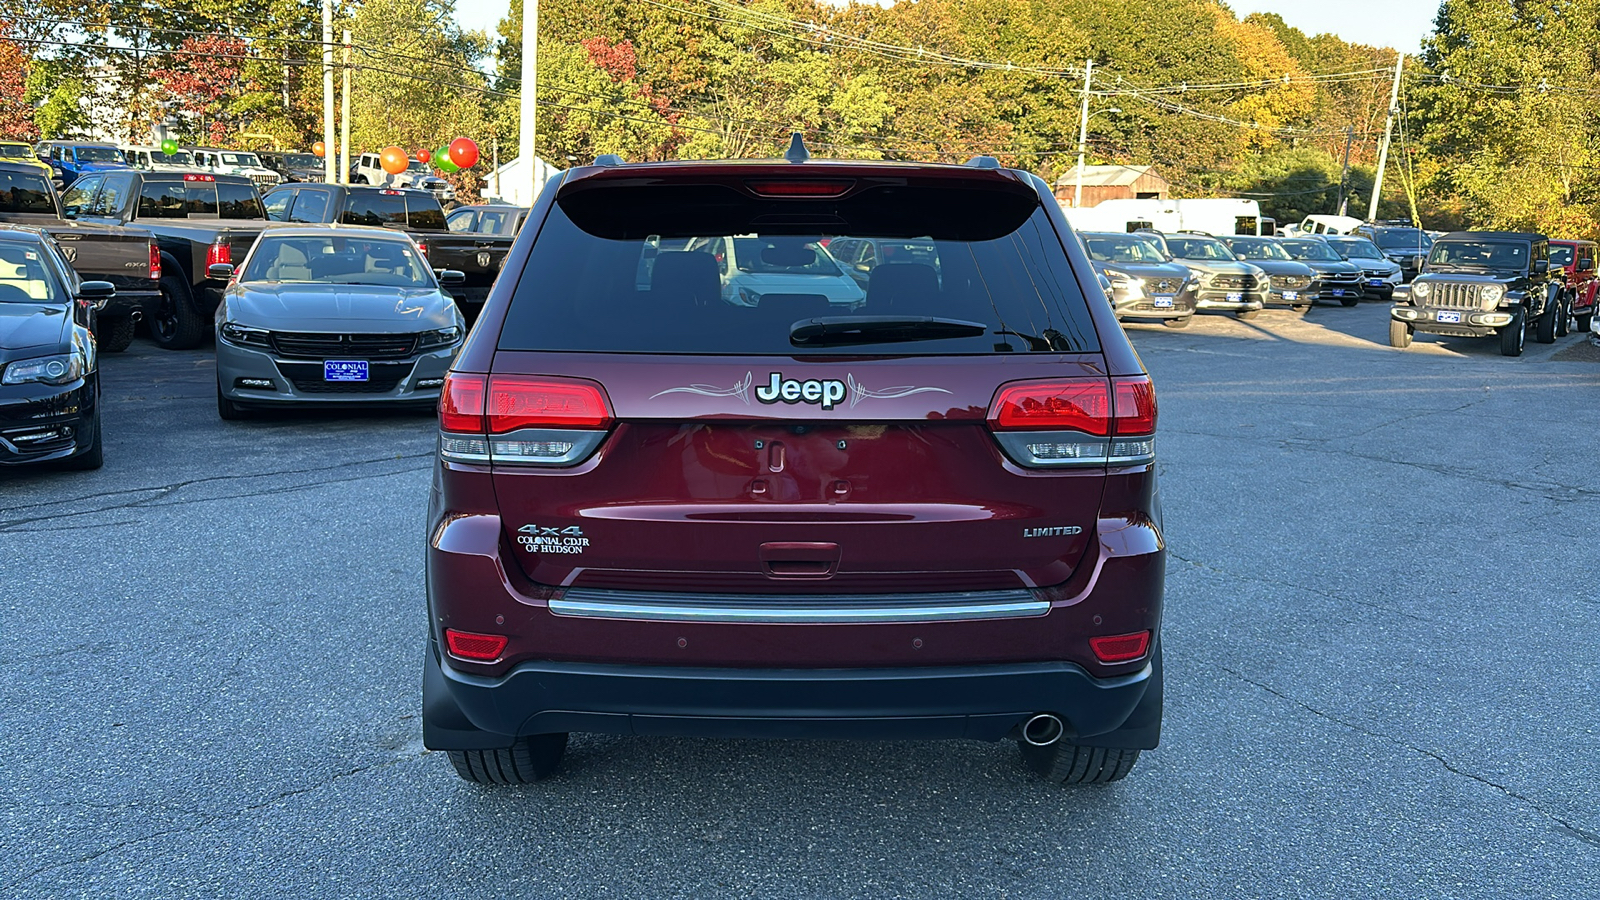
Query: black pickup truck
x=125 y=257
x=417 y=213
x=198 y=220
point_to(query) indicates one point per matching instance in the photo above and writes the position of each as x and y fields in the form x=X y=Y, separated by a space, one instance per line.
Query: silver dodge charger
x=333 y=314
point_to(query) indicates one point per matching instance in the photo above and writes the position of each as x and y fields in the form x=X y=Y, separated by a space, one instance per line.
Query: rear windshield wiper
x=833 y=331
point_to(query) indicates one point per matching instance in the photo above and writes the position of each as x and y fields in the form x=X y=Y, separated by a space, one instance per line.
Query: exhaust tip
x=1042 y=729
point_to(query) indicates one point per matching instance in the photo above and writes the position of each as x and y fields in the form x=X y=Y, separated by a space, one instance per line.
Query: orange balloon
x=394 y=160
x=319 y=148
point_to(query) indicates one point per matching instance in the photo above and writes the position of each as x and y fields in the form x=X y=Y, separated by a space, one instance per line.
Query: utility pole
x=1344 y=176
x=530 y=93
x=494 y=162
x=344 y=117
x=327 y=88
x=1388 y=126
x=1083 y=131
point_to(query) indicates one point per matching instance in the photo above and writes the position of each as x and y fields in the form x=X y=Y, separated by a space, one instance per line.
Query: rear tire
x=176 y=324
x=1177 y=323
x=114 y=334
x=1400 y=334
x=1584 y=320
x=1515 y=335
x=1247 y=313
x=530 y=759
x=1063 y=763
x=1562 y=318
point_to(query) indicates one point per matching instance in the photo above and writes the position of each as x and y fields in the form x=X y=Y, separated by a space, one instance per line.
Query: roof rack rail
x=797 y=152
x=608 y=159
x=983 y=162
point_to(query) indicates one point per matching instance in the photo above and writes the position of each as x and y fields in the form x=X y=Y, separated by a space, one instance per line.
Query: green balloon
x=169 y=146
x=445 y=165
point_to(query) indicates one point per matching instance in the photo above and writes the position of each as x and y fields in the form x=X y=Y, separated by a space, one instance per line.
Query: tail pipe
x=1043 y=729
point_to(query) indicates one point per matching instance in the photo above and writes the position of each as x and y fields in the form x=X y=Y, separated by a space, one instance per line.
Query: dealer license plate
x=1450 y=317
x=344 y=370
x=1338 y=292
x=1235 y=297
x=1376 y=282
x=1291 y=295
x=1161 y=302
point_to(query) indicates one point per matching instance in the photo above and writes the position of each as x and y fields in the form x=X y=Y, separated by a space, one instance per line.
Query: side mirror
x=1585 y=265
x=452 y=278
x=219 y=271
x=96 y=293
x=1541 y=267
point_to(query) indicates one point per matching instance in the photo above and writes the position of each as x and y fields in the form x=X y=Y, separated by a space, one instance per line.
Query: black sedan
x=49 y=373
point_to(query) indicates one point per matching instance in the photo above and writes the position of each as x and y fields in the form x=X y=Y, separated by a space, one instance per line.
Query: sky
x=1401 y=24
x=1382 y=23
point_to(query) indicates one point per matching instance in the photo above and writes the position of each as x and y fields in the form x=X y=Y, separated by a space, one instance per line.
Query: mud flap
x=1142 y=730
x=444 y=726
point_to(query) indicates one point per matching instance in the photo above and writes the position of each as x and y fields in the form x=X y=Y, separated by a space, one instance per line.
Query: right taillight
x=155 y=262
x=1075 y=422
x=521 y=419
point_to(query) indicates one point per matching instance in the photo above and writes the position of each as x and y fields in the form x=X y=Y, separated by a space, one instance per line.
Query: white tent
x=508 y=182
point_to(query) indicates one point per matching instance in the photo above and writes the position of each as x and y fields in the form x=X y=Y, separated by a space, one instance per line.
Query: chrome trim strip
x=811 y=610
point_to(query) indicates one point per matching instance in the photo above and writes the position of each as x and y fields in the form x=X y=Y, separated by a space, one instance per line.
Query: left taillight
x=155 y=261
x=1076 y=422
x=521 y=419
x=219 y=253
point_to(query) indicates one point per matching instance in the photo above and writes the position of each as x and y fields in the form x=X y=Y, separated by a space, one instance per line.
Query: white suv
x=235 y=162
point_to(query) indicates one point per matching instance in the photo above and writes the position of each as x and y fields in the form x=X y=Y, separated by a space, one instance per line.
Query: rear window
x=375 y=208
x=199 y=199
x=26 y=194
x=423 y=211
x=701 y=273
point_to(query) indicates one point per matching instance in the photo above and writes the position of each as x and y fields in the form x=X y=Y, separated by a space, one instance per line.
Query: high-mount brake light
x=199 y=178
x=391 y=192
x=155 y=262
x=475 y=647
x=1120 y=648
x=1076 y=421
x=521 y=419
x=811 y=187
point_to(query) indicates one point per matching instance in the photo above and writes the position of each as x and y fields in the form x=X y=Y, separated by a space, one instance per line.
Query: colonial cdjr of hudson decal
x=543 y=539
x=824 y=392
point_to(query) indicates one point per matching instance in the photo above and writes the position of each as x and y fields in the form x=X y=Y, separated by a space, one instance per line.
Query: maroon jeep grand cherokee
x=696 y=478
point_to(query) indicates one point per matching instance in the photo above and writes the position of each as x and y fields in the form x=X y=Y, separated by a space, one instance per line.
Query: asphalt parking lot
x=1380 y=643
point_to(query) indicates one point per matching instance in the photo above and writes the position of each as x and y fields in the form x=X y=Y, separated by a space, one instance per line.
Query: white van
x=1218 y=216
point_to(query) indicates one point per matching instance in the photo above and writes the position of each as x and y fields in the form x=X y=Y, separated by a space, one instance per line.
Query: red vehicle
x=658 y=511
x=1577 y=260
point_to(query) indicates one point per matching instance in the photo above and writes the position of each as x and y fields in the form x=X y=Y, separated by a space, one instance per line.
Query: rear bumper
x=470 y=712
x=127 y=302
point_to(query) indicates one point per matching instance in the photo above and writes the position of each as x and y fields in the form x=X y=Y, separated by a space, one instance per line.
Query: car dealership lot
x=1380 y=633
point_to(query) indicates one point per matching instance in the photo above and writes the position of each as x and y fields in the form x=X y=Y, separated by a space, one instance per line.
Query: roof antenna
x=797 y=152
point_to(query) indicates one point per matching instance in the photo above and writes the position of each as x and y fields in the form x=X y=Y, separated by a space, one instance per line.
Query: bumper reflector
x=475 y=647
x=1118 y=648
x=264 y=384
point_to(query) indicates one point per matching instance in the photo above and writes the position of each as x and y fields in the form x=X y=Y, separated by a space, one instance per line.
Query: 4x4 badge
x=549 y=539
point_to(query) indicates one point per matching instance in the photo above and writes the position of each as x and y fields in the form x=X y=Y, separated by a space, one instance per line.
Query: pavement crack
x=1560 y=824
x=206 y=820
x=159 y=493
